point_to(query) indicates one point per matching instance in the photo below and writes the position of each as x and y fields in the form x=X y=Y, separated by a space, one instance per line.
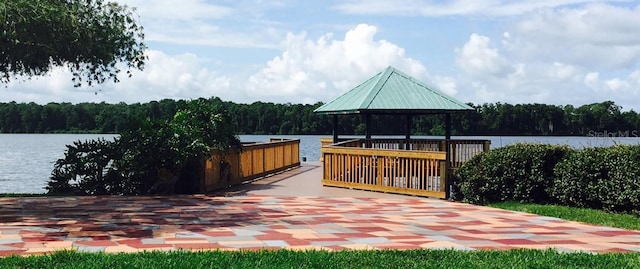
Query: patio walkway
x=289 y=210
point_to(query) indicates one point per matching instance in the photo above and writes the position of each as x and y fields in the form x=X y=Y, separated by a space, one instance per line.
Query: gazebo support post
x=447 y=126
x=407 y=134
x=367 y=129
x=447 y=136
x=335 y=129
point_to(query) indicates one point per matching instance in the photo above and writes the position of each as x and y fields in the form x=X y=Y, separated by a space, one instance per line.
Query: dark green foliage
x=423 y=258
x=89 y=37
x=152 y=157
x=87 y=169
x=157 y=152
x=299 y=119
x=576 y=178
x=601 y=178
x=520 y=172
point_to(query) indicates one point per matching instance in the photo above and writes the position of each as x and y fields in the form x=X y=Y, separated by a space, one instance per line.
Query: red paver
x=96 y=243
x=264 y=220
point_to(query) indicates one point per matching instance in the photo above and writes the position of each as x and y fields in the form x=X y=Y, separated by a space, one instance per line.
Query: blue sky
x=542 y=51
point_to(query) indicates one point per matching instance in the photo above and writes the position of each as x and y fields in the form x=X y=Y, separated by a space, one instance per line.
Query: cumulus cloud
x=56 y=86
x=477 y=57
x=595 y=36
x=573 y=55
x=556 y=52
x=562 y=71
x=306 y=71
x=320 y=70
x=182 y=76
x=628 y=85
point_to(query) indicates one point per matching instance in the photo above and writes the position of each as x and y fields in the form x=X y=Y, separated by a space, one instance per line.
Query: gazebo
x=409 y=166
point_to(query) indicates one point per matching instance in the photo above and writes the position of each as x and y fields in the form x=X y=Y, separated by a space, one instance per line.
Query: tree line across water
x=597 y=119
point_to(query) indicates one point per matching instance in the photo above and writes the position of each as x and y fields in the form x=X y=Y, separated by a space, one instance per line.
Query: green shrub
x=519 y=172
x=600 y=178
x=622 y=192
x=87 y=169
x=151 y=157
x=576 y=178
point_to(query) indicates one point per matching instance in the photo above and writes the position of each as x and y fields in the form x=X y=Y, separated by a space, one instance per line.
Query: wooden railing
x=414 y=166
x=460 y=150
x=404 y=172
x=325 y=141
x=253 y=161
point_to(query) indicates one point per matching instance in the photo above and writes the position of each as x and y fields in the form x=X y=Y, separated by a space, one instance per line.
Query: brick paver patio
x=269 y=215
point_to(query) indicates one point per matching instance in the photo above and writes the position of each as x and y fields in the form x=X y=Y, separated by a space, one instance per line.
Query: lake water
x=26 y=160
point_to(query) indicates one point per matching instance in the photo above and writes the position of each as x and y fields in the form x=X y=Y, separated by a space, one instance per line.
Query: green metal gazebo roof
x=392 y=91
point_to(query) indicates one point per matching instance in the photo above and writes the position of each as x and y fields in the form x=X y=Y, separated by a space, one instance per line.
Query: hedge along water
x=601 y=178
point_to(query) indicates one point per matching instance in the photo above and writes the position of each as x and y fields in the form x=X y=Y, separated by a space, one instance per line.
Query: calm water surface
x=26 y=160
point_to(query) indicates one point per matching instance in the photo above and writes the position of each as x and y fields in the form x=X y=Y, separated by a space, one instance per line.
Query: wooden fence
x=415 y=167
x=253 y=161
x=460 y=150
x=403 y=172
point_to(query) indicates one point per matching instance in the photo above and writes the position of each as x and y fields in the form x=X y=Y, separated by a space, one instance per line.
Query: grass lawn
x=325 y=259
x=591 y=216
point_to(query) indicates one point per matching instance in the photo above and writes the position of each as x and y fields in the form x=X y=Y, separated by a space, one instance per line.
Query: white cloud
x=563 y=71
x=320 y=70
x=187 y=10
x=575 y=55
x=56 y=86
x=616 y=84
x=182 y=76
x=307 y=71
x=477 y=57
x=447 y=85
x=452 y=8
x=592 y=79
x=199 y=22
x=595 y=36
